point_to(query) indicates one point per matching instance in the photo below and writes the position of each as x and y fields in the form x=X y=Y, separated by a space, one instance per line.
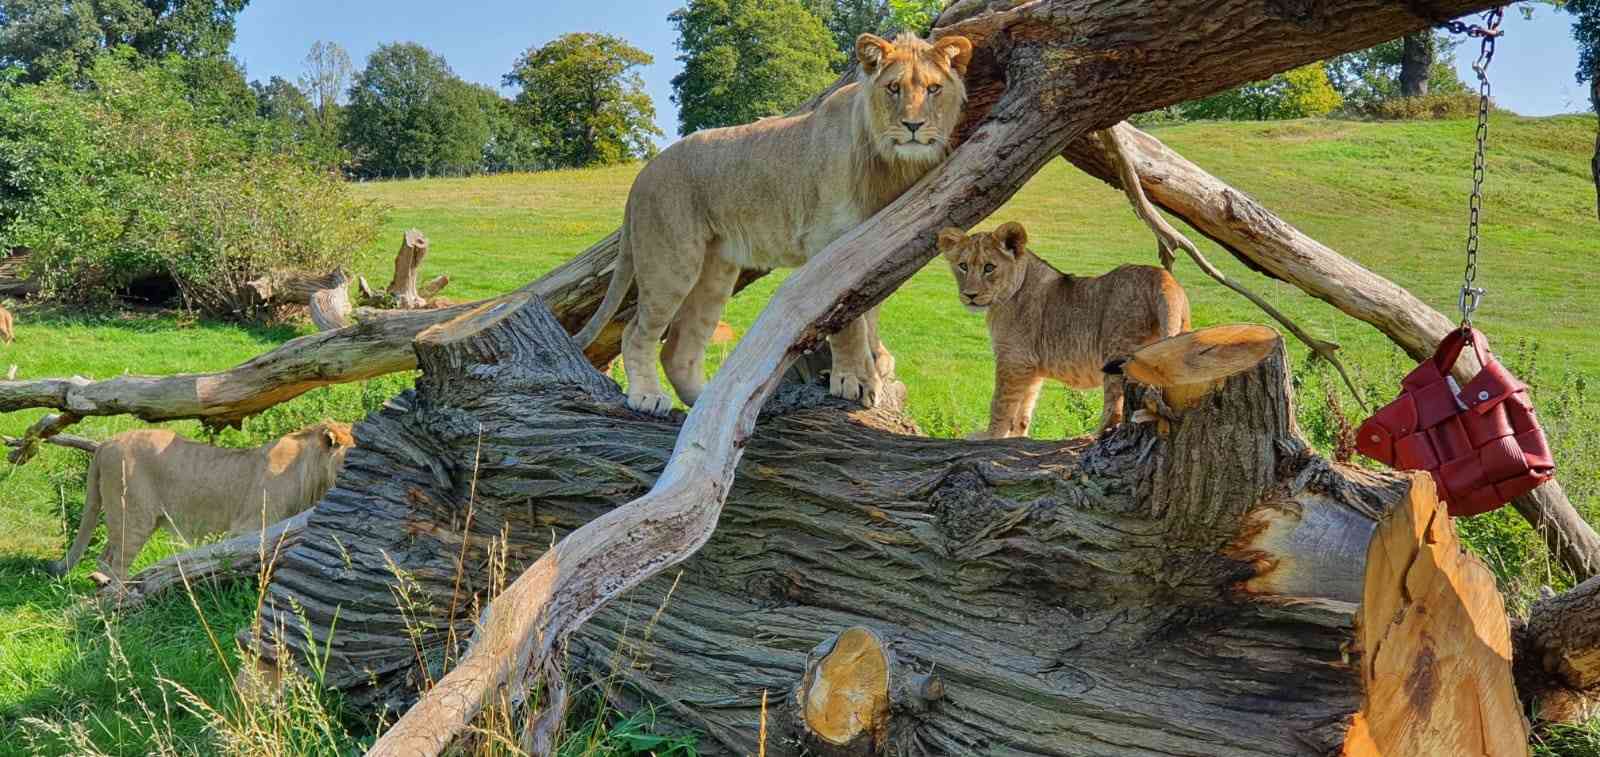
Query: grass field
x=1391 y=196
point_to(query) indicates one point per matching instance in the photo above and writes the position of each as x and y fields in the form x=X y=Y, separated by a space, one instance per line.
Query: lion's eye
x=933 y=89
x=988 y=268
x=894 y=89
x=962 y=267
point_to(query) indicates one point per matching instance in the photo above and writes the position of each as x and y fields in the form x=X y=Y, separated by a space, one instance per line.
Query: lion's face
x=330 y=442
x=914 y=94
x=988 y=267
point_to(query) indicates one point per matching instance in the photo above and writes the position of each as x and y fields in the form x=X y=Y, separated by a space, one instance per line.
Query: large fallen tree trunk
x=1163 y=591
x=1063 y=63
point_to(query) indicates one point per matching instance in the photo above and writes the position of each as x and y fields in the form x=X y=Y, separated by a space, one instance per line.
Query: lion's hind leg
x=684 y=355
x=665 y=278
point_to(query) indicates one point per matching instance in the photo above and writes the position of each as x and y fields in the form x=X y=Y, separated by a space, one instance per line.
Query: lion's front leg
x=855 y=375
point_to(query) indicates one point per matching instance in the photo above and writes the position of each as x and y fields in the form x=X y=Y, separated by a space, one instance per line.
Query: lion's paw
x=652 y=404
x=851 y=387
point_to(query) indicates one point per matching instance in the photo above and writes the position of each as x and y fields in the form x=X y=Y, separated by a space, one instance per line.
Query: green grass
x=1389 y=195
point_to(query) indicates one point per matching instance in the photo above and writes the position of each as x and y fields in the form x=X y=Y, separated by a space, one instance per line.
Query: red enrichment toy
x=1481 y=441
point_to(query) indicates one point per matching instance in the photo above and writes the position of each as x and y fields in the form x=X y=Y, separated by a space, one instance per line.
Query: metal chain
x=1471 y=295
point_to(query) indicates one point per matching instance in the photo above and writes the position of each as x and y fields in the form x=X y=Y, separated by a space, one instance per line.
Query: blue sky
x=1532 y=71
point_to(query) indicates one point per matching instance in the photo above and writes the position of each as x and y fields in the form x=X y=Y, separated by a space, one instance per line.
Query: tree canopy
x=1298 y=93
x=584 y=100
x=45 y=37
x=747 y=59
x=409 y=114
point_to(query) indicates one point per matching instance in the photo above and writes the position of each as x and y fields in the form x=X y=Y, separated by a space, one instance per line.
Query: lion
x=6 y=326
x=145 y=479
x=1047 y=324
x=773 y=194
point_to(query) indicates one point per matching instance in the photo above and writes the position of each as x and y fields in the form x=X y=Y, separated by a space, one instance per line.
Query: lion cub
x=145 y=479
x=5 y=325
x=1047 y=324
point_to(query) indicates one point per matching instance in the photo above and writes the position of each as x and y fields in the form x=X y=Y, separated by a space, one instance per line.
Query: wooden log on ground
x=1151 y=593
x=1435 y=643
x=1558 y=655
x=330 y=306
x=283 y=288
x=14 y=280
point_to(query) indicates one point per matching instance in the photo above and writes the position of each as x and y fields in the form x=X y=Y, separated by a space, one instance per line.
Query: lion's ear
x=871 y=50
x=1013 y=238
x=957 y=51
x=950 y=240
x=331 y=438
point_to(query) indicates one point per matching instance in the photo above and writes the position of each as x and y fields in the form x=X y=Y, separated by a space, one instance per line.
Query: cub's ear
x=950 y=240
x=957 y=51
x=1013 y=238
x=871 y=50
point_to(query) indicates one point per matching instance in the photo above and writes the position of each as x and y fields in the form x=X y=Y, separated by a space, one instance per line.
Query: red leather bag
x=1481 y=442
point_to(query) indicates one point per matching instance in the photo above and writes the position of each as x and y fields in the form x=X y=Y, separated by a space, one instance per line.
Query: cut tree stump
x=1435 y=642
x=1146 y=594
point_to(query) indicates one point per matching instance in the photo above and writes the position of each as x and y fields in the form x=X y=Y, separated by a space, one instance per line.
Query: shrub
x=1426 y=107
x=123 y=178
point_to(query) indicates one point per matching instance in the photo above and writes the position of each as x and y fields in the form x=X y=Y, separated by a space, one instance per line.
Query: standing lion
x=773 y=194
x=143 y=480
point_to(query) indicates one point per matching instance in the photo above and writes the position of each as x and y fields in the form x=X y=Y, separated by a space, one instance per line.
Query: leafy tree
x=914 y=15
x=1586 y=31
x=1370 y=76
x=55 y=36
x=848 y=19
x=746 y=59
x=511 y=145
x=327 y=73
x=584 y=102
x=280 y=101
x=409 y=114
x=1298 y=93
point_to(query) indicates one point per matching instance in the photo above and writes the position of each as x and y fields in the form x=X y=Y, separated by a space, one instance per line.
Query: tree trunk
x=1177 y=590
x=1416 y=61
x=1594 y=164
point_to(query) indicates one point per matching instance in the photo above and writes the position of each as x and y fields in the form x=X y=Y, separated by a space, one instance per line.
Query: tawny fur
x=6 y=325
x=773 y=194
x=1045 y=324
x=143 y=480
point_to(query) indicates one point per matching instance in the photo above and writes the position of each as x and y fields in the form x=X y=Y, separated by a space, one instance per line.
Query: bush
x=1426 y=107
x=123 y=178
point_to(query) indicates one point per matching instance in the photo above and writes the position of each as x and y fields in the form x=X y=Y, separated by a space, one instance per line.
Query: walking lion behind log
x=1047 y=324
x=773 y=194
x=143 y=480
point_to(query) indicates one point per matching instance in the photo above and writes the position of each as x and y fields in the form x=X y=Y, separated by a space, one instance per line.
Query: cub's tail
x=621 y=282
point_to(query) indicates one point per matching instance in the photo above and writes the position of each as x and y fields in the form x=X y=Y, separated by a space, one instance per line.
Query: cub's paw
x=884 y=363
x=652 y=404
x=852 y=387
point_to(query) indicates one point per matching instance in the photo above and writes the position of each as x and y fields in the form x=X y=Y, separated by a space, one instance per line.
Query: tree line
x=579 y=100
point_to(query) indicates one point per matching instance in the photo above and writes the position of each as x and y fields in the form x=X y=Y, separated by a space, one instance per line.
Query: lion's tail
x=86 y=525
x=621 y=282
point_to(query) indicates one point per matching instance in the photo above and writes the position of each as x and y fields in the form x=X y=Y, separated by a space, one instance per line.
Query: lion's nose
x=912 y=126
x=970 y=295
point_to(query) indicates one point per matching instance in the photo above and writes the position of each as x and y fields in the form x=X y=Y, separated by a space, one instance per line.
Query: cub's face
x=914 y=93
x=988 y=267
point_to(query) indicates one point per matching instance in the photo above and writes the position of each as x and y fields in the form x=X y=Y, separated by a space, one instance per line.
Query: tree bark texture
x=1149 y=593
x=1416 y=61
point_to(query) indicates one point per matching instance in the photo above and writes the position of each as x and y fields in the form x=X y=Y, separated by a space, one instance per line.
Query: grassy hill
x=1392 y=196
